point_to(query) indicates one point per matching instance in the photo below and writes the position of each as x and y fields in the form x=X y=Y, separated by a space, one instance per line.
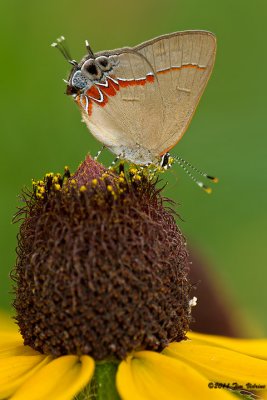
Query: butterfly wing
x=123 y=111
x=183 y=62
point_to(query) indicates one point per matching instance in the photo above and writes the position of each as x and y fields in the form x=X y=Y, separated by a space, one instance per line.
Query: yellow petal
x=8 y=341
x=11 y=344
x=61 y=379
x=153 y=376
x=9 y=333
x=220 y=364
x=253 y=347
x=17 y=362
x=14 y=371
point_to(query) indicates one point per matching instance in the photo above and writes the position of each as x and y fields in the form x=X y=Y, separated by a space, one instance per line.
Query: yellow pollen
x=208 y=190
x=94 y=182
x=137 y=177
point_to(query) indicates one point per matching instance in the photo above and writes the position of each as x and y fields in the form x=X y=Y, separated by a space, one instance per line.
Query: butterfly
x=138 y=101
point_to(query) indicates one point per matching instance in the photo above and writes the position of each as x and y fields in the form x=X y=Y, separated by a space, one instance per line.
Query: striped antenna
x=64 y=50
x=90 y=51
x=185 y=165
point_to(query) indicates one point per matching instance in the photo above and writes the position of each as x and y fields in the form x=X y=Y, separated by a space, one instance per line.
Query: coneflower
x=103 y=301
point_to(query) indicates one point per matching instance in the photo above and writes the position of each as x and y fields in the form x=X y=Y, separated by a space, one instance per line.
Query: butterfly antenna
x=90 y=51
x=212 y=178
x=185 y=165
x=64 y=50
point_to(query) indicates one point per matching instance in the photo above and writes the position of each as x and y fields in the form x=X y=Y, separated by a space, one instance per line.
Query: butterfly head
x=90 y=70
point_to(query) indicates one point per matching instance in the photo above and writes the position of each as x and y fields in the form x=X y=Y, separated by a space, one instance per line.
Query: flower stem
x=103 y=385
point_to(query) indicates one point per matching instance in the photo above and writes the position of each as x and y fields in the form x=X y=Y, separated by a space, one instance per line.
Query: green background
x=42 y=129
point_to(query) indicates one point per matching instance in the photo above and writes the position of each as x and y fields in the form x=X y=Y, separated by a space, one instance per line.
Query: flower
x=190 y=369
x=99 y=254
x=103 y=301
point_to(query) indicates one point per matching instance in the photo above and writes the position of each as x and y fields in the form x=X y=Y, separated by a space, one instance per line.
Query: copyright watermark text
x=235 y=386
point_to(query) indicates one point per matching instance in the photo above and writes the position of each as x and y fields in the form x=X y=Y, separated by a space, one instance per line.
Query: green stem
x=103 y=383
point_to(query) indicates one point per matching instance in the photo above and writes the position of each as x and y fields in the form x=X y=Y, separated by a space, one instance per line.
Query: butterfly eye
x=78 y=80
x=104 y=63
x=91 y=70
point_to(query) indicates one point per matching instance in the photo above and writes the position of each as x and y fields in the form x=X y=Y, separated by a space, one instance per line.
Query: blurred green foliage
x=41 y=128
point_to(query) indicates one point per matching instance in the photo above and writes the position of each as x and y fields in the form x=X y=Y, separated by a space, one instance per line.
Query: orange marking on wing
x=89 y=108
x=95 y=96
x=82 y=103
x=150 y=78
x=93 y=92
x=110 y=90
x=105 y=100
x=113 y=81
x=125 y=83
x=136 y=82
x=77 y=100
x=180 y=68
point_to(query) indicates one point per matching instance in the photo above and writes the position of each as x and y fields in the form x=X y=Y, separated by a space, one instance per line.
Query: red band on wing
x=93 y=92
x=111 y=89
x=135 y=82
x=99 y=93
x=84 y=103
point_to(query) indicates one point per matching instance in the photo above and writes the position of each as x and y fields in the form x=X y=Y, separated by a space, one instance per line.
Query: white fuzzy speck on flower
x=193 y=302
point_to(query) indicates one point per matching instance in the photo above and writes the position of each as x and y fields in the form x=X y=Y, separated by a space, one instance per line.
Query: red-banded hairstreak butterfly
x=138 y=101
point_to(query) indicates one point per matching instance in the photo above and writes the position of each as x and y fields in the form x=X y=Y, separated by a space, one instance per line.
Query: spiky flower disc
x=102 y=266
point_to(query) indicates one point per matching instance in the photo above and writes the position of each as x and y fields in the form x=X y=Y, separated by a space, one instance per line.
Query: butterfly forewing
x=132 y=107
x=183 y=62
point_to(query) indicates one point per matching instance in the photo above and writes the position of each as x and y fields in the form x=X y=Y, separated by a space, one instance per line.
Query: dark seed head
x=102 y=266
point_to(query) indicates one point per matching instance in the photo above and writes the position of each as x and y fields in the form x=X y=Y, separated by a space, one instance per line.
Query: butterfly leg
x=99 y=152
x=147 y=165
x=114 y=161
